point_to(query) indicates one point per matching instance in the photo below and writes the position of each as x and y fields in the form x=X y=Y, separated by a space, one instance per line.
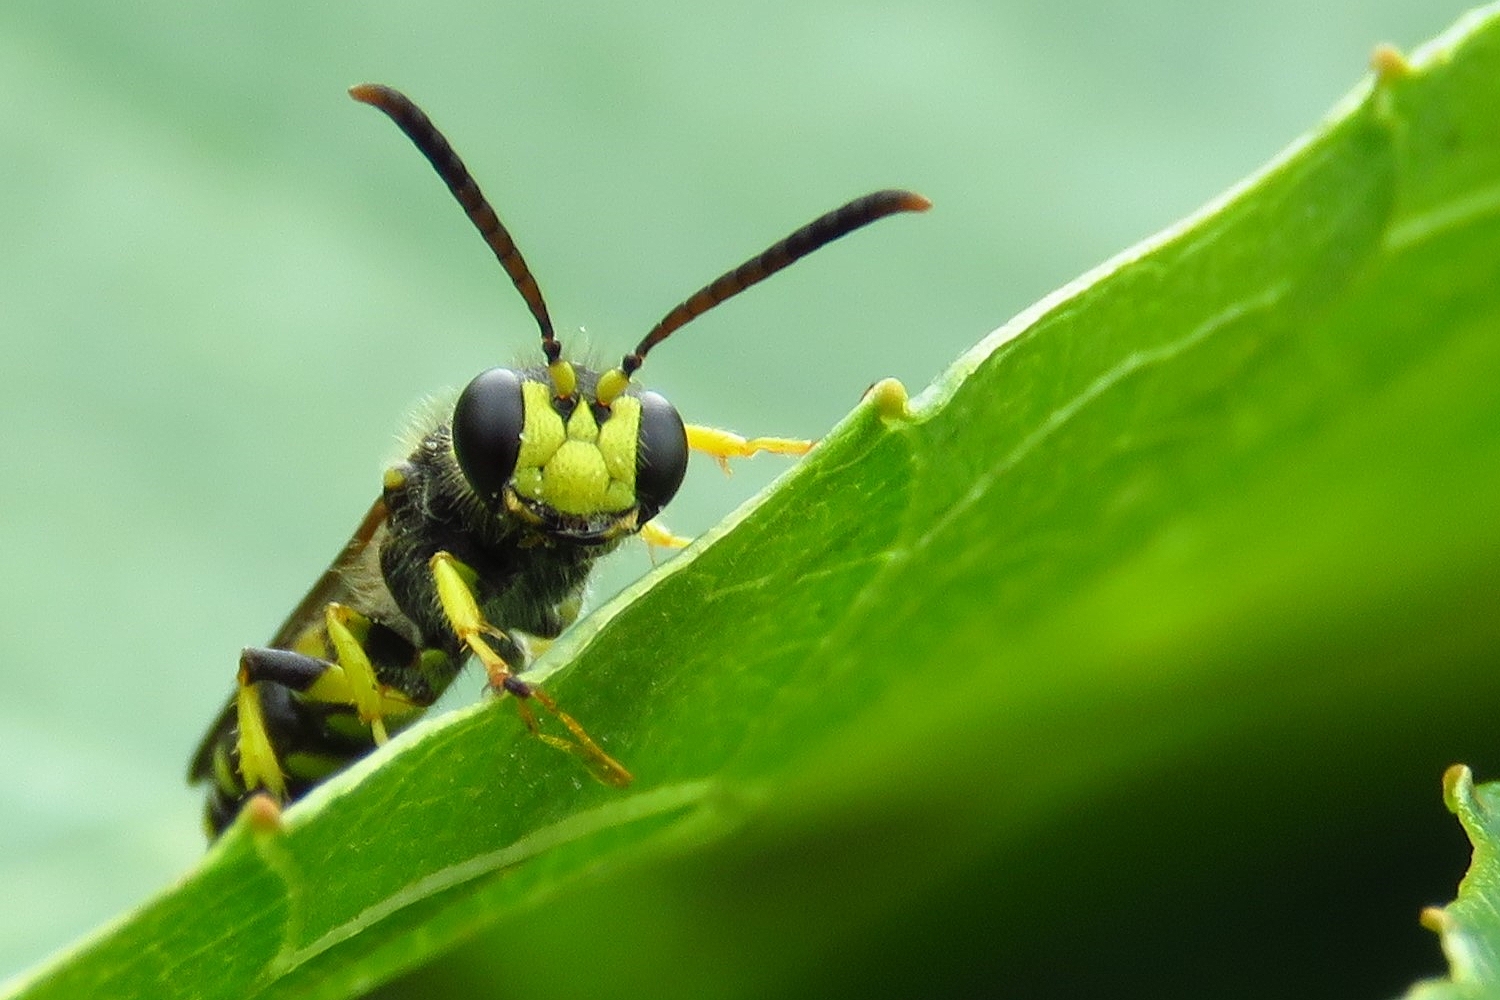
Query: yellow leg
x=724 y=445
x=259 y=767
x=658 y=536
x=469 y=624
x=359 y=672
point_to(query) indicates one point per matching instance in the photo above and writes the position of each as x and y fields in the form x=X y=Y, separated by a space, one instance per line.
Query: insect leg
x=352 y=681
x=657 y=536
x=261 y=671
x=454 y=581
x=724 y=445
x=273 y=681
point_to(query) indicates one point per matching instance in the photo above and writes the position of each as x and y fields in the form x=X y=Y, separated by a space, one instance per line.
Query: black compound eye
x=487 y=423
x=661 y=455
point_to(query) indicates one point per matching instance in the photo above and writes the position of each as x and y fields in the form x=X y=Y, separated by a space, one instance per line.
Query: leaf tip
x=1436 y=919
x=1389 y=64
x=1458 y=788
x=263 y=815
x=890 y=400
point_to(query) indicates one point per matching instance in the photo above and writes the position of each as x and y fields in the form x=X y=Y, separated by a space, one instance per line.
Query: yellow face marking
x=544 y=431
x=581 y=425
x=528 y=483
x=619 y=438
x=575 y=479
x=579 y=467
x=618 y=496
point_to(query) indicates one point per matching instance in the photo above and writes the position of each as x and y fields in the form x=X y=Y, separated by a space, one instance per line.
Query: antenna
x=420 y=130
x=818 y=233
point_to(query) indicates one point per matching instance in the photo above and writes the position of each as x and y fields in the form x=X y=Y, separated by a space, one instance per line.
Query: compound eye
x=487 y=423
x=661 y=456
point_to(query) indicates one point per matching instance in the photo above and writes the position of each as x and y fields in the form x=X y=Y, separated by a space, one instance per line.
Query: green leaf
x=1469 y=927
x=1085 y=673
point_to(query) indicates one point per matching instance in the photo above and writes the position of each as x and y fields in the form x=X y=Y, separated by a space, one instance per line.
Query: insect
x=488 y=529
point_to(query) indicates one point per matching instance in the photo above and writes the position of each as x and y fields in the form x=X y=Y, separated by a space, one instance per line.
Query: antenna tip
x=913 y=202
x=369 y=93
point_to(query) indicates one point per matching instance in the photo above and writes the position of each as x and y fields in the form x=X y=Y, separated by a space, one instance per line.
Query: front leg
x=721 y=446
x=724 y=445
x=454 y=583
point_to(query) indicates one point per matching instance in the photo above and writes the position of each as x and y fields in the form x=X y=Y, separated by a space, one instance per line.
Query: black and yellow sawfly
x=486 y=533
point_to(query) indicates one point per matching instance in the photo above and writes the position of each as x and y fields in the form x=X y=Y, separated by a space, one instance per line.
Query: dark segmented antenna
x=420 y=130
x=819 y=232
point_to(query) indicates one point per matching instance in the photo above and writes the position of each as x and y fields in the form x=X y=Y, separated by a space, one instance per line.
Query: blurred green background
x=223 y=285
